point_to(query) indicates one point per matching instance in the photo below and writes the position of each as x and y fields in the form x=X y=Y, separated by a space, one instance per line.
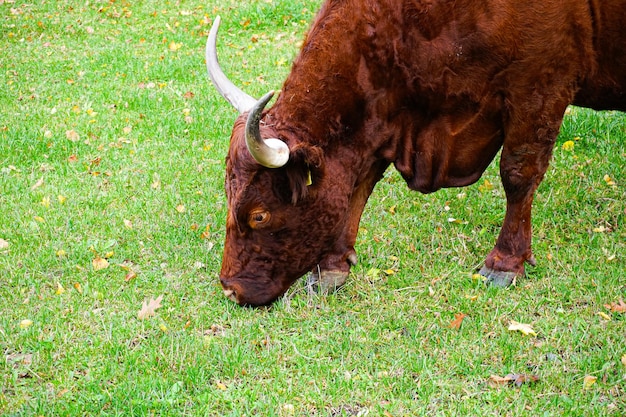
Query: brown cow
x=434 y=87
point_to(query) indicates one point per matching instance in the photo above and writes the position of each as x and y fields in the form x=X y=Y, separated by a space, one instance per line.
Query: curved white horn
x=271 y=153
x=240 y=100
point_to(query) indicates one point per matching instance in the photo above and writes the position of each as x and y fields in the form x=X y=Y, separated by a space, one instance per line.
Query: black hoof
x=500 y=279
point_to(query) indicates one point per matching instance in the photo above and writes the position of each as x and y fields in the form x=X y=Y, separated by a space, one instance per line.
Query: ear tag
x=309 y=181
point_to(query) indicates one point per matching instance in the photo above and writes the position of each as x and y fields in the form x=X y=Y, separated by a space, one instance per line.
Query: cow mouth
x=252 y=293
x=231 y=295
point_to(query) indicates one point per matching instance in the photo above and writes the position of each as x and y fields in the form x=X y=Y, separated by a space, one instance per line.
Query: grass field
x=112 y=146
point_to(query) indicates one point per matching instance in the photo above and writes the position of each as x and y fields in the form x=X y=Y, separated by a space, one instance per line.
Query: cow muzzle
x=230 y=292
x=251 y=293
x=231 y=295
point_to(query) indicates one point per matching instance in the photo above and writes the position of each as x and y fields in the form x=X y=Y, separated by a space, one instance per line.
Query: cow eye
x=258 y=218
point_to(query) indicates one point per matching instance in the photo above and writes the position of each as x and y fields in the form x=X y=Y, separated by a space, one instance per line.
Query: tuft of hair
x=304 y=169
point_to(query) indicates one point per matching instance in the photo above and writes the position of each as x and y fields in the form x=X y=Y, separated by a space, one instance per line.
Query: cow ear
x=304 y=170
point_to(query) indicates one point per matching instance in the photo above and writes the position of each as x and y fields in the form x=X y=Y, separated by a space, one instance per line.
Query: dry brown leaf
x=17 y=359
x=72 y=135
x=99 y=263
x=619 y=307
x=498 y=380
x=458 y=320
x=38 y=184
x=130 y=276
x=148 y=308
x=517 y=379
x=3 y=244
x=215 y=330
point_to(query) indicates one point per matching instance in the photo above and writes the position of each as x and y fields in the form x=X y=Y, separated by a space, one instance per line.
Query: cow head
x=281 y=219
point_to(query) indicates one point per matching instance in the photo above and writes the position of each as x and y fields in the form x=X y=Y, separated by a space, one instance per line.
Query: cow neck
x=320 y=102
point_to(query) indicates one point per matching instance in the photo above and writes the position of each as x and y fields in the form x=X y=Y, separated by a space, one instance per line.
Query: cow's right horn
x=240 y=100
x=271 y=153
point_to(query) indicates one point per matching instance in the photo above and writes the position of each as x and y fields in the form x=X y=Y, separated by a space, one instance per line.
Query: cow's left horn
x=240 y=100
x=271 y=153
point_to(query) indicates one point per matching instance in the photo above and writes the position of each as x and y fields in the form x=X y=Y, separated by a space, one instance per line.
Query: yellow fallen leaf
x=568 y=146
x=220 y=386
x=588 y=381
x=624 y=359
x=25 y=323
x=128 y=224
x=163 y=328
x=62 y=199
x=109 y=254
x=78 y=287
x=180 y=208
x=60 y=290
x=608 y=180
x=478 y=277
x=45 y=202
x=174 y=46
x=39 y=219
x=604 y=315
x=526 y=329
x=61 y=253
x=485 y=186
x=99 y=263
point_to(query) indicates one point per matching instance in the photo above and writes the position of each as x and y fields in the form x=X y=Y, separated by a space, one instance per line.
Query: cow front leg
x=334 y=269
x=522 y=167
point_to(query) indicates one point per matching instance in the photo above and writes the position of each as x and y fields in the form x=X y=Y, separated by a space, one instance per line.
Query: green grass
x=118 y=74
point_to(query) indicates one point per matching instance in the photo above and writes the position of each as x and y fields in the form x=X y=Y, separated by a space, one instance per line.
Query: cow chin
x=253 y=292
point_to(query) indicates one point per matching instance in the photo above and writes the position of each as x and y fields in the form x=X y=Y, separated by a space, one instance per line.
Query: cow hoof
x=327 y=283
x=501 y=279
